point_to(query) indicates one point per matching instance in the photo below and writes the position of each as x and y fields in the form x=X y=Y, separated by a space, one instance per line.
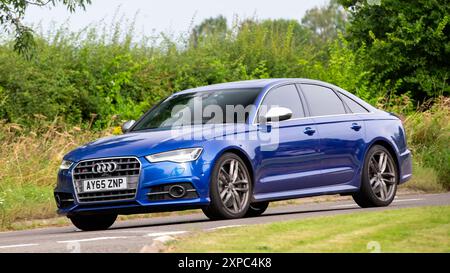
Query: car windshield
x=206 y=107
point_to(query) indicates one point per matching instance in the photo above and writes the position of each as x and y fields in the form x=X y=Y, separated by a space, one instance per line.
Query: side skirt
x=329 y=190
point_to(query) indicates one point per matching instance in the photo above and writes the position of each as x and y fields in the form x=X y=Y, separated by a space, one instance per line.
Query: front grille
x=128 y=167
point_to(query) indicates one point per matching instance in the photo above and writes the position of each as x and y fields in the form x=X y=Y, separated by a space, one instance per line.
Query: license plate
x=105 y=184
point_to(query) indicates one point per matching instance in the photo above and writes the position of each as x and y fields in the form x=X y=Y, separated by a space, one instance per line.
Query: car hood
x=148 y=142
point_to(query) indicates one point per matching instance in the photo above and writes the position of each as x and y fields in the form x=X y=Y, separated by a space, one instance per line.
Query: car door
x=341 y=135
x=293 y=162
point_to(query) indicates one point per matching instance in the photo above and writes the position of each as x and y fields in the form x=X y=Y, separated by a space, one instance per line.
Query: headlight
x=65 y=165
x=178 y=156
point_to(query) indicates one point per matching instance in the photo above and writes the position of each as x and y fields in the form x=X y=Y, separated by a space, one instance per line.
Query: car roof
x=267 y=83
x=248 y=84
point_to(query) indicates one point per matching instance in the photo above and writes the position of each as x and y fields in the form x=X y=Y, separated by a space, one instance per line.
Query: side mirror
x=278 y=114
x=127 y=125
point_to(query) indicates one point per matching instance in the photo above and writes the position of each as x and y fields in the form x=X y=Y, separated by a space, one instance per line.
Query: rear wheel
x=256 y=209
x=379 y=179
x=93 y=222
x=230 y=189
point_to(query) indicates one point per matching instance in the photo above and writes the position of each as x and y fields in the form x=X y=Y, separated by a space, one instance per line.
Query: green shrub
x=93 y=75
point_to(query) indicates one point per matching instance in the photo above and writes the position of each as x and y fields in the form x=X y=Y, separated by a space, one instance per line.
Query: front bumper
x=152 y=176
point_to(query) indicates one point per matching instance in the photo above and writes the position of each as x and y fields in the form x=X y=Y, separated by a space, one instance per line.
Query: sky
x=170 y=16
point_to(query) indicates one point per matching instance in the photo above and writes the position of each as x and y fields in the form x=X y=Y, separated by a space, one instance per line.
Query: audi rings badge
x=104 y=167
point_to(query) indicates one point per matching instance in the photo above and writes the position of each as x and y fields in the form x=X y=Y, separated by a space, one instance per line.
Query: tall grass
x=29 y=160
x=428 y=134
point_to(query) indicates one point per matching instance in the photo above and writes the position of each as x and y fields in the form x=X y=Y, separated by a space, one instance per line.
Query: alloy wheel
x=233 y=185
x=382 y=176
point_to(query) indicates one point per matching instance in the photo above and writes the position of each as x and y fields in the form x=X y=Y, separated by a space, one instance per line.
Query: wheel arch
x=391 y=148
x=243 y=155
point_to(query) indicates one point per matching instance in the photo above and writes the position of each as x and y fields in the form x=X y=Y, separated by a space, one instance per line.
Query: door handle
x=309 y=131
x=356 y=126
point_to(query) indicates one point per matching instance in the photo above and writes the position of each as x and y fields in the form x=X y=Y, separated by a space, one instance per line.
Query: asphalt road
x=147 y=235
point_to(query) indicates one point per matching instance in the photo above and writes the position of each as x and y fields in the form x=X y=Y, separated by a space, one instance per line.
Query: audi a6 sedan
x=230 y=149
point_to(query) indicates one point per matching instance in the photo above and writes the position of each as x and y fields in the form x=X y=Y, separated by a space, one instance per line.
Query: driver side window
x=285 y=96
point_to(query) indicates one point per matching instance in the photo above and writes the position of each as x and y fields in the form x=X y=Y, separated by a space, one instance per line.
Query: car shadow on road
x=325 y=211
x=163 y=222
x=200 y=218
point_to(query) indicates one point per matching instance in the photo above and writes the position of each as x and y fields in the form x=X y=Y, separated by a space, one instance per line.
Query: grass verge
x=425 y=229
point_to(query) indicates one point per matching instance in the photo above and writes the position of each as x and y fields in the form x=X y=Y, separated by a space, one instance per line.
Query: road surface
x=147 y=235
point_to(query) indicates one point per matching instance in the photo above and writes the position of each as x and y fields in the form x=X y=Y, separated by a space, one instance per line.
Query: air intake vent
x=173 y=191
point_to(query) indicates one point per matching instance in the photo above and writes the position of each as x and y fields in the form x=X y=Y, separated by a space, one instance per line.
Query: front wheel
x=230 y=189
x=93 y=222
x=379 y=179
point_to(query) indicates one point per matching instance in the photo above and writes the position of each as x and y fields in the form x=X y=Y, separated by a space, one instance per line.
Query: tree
x=408 y=43
x=12 y=13
x=280 y=28
x=325 y=22
x=211 y=27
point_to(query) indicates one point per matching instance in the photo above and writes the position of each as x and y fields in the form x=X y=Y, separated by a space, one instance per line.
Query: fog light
x=177 y=191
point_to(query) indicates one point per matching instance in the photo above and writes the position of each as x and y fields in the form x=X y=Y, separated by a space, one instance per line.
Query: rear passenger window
x=285 y=96
x=322 y=101
x=353 y=105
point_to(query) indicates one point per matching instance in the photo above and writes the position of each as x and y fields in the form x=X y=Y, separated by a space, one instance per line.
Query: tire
x=93 y=222
x=256 y=209
x=224 y=187
x=379 y=181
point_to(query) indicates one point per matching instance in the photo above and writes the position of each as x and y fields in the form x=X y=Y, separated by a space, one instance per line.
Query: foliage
x=29 y=159
x=408 y=43
x=345 y=68
x=326 y=23
x=428 y=134
x=211 y=27
x=429 y=137
x=91 y=76
x=94 y=75
x=103 y=72
x=12 y=13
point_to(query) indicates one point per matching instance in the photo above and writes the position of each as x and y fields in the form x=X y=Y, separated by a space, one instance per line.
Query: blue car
x=230 y=149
